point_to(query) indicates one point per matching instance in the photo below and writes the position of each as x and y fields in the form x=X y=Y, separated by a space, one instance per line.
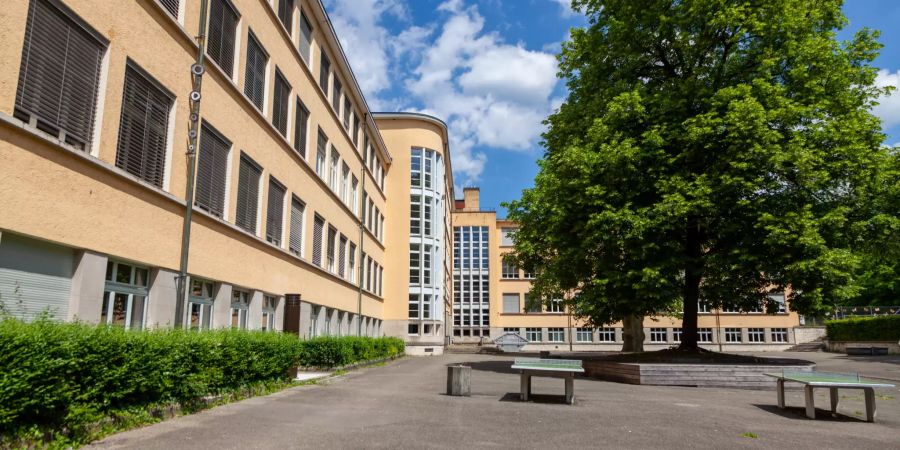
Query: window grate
x=143 y=128
x=220 y=39
x=212 y=168
x=60 y=73
x=248 y=194
x=171 y=6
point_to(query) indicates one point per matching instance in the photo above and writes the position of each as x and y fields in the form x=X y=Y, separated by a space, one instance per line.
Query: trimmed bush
x=61 y=375
x=879 y=328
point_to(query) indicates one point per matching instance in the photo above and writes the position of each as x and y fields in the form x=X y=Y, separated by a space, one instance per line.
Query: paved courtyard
x=401 y=405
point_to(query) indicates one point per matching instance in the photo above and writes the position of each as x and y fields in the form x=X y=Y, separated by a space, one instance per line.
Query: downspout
x=362 y=264
x=197 y=70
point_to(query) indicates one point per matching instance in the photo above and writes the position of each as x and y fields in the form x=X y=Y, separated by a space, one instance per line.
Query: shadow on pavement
x=534 y=398
x=490 y=366
x=799 y=413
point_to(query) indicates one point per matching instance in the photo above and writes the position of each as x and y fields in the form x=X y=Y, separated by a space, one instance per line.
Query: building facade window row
x=471 y=281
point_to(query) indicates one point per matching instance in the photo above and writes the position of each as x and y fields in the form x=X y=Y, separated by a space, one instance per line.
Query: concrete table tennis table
x=832 y=381
x=552 y=368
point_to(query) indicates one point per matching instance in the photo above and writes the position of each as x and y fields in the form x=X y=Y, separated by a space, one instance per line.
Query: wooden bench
x=832 y=381
x=551 y=368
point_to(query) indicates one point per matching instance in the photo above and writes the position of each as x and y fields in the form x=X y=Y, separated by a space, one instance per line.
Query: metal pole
x=197 y=70
x=719 y=330
x=362 y=264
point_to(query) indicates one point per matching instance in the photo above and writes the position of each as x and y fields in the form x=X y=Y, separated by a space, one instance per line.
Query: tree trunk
x=693 y=273
x=633 y=334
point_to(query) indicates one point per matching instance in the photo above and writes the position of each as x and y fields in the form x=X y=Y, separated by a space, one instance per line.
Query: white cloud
x=888 y=108
x=565 y=7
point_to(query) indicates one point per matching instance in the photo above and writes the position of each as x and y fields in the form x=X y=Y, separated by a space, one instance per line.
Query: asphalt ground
x=403 y=405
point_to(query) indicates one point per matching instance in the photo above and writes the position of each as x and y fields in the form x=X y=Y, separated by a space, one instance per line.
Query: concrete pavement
x=401 y=405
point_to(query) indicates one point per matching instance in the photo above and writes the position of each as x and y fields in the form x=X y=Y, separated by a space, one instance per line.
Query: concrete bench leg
x=834 y=400
x=870 y=404
x=779 y=386
x=810 y=402
x=570 y=390
x=525 y=386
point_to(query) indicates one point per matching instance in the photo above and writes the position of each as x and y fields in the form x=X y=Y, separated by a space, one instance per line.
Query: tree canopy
x=708 y=150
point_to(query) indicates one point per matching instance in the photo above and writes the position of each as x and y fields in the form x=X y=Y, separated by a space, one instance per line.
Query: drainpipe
x=197 y=70
x=362 y=264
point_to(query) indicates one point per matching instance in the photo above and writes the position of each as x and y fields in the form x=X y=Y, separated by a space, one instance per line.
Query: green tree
x=709 y=150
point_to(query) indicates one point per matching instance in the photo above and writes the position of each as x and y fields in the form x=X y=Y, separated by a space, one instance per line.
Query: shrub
x=879 y=328
x=66 y=375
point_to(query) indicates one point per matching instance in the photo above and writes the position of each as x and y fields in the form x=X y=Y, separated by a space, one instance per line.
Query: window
x=511 y=304
x=318 y=229
x=329 y=256
x=779 y=334
x=255 y=73
x=658 y=335
x=270 y=303
x=416 y=168
x=533 y=334
x=584 y=335
x=286 y=13
x=756 y=335
x=342 y=257
x=510 y=330
x=275 y=212
x=733 y=335
x=413 y=328
x=333 y=172
x=429 y=155
x=426 y=306
x=676 y=334
x=240 y=308
x=212 y=169
x=248 y=194
x=532 y=304
x=778 y=299
x=200 y=305
x=144 y=127
x=415 y=213
x=426 y=217
x=306 y=31
x=351 y=262
x=702 y=307
x=607 y=335
x=60 y=73
x=301 y=121
x=426 y=265
x=704 y=335
x=223 y=20
x=355 y=134
x=555 y=306
x=347 y=110
x=324 y=71
x=508 y=270
x=345 y=184
x=556 y=335
x=321 y=147
x=413 y=306
x=336 y=95
x=295 y=244
x=415 y=264
x=527 y=275
x=124 y=295
x=171 y=6
x=354 y=193
x=506 y=236
x=280 y=103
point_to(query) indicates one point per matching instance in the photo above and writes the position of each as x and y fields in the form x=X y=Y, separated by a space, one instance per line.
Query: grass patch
x=749 y=435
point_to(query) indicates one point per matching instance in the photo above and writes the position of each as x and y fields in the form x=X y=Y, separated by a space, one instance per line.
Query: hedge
x=57 y=376
x=878 y=328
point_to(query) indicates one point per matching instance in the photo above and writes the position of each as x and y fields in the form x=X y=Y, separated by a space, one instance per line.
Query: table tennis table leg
x=810 y=402
x=780 y=388
x=870 y=404
x=570 y=389
x=525 y=385
x=834 y=400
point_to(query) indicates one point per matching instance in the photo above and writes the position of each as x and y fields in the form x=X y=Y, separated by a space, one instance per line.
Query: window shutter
x=300 y=124
x=295 y=244
x=280 y=103
x=305 y=37
x=171 y=6
x=223 y=20
x=274 y=212
x=336 y=95
x=342 y=250
x=212 y=167
x=285 y=13
x=60 y=73
x=248 y=194
x=255 y=75
x=324 y=69
x=143 y=128
x=318 y=229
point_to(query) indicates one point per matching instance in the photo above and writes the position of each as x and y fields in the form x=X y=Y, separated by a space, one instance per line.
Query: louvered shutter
x=305 y=37
x=255 y=75
x=342 y=249
x=324 y=69
x=171 y=6
x=295 y=244
x=336 y=95
x=300 y=123
x=248 y=194
x=280 y=103
x=143 y=128
x=318 y=229
x=275 y=212
x=212 y=166
x=60 y=73
x=285 y=13
x=223 y=20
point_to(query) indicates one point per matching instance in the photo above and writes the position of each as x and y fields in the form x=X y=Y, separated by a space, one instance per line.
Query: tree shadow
x=799 y=413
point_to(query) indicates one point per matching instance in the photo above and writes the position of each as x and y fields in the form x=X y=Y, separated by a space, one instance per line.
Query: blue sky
x=488 y=69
